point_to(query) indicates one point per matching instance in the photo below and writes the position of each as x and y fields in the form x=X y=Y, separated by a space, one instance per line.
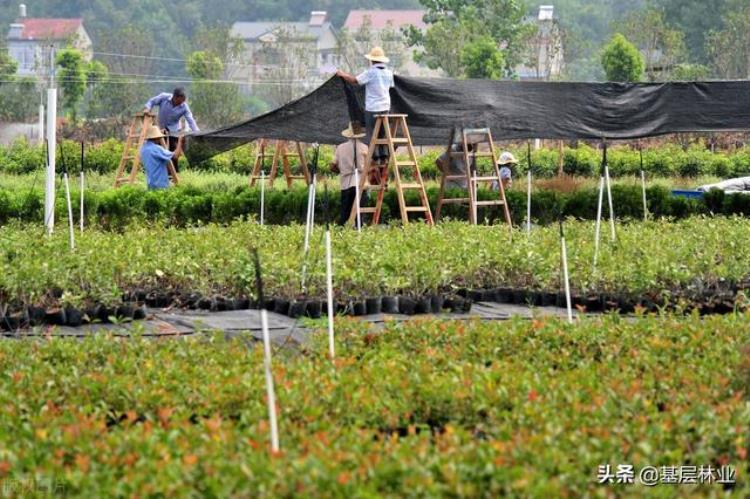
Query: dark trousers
x=348 y=198
x=172 y=144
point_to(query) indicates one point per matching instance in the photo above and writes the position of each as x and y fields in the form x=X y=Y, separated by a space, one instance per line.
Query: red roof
x=380 y=19
x=49 y=29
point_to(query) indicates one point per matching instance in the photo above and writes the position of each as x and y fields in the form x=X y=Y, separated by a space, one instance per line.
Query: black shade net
x=513 y=110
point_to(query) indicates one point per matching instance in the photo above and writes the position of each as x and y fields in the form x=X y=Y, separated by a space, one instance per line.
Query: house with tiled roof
x=29 y=41
x=314 y=41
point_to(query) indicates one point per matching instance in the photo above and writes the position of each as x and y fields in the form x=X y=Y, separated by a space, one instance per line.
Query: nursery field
x=424 y=408
x=223 y=197
x=695 y=263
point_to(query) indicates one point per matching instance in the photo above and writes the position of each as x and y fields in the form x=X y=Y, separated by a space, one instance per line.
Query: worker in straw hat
x=155 y=158
x=507 y=164
x=345 y=162
x=377 y=80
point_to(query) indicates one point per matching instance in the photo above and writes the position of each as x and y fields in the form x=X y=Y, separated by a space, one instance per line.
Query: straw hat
x=154 y=133
x=377 y=55
x=507 y=158
x=354 y=131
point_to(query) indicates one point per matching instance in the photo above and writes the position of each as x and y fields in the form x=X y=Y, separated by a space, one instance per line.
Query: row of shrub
x=584 y=160
x=189 y=205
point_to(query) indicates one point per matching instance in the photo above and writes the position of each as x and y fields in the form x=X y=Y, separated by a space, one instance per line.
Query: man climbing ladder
x=172 y=108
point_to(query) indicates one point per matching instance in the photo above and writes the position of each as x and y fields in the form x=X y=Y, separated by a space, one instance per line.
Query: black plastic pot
x=341 y=308
x=124 y=312
x=466 y=308
x=449 y=303
x=36 y=315
x=535 y=298
x=424 y=305
x=389 y=305
x=281 y=306
x=220 y=304
x=374 y=305
x=297 y=309
x=55 y=316
x=241 y=303
x=359 y=308
x=14 y=321
x=270 y=304
x=593 y=303
x=140 y=295
x=476 y=295
x=105 y=312
x=549 y=299
x=314 y=309
x=463 y=293
x=91 y=313
x=139 y=313
x=436 y=303
x=73 y=316
x=503 y=295
x=407 y=305
x=151 y=299
x=203 y=304
x=519 y=296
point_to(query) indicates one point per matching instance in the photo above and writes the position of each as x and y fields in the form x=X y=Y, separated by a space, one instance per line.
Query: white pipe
x=40 y=137
x=262 y=197
x=598 y=220
x=643 y=188
x=310 y=208
x=271 y=395
x=528 y=202
x=476 y=196
x=49 y=193
x=567 y=280
x=609 y=199
x=329 y=286
x=357 y=201
x=82 y=194
x=70 y=211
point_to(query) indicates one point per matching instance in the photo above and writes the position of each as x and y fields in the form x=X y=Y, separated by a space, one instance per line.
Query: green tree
x=455 y=23
x=482 y=58
x=214 y=102
x=8 y=66
x=622 y=61
x=663 y=48
x=729 y=49
x=204 y=66
x=71 y=78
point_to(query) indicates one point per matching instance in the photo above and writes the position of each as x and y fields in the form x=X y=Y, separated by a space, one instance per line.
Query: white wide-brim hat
x=154 y=133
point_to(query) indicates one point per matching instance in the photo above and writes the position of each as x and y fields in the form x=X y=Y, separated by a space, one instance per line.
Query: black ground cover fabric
x=514 y=110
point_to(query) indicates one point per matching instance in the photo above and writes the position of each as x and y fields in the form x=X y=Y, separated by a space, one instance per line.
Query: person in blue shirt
x=172 y=107
x=155 y=159
x=378 y=81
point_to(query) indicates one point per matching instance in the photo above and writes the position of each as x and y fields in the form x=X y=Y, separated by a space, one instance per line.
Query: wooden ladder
x=396 y=132
x=280 y=157
x=476 y=137
x=131 y=152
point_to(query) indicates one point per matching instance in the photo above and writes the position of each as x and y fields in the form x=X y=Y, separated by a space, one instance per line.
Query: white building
x=30 y=40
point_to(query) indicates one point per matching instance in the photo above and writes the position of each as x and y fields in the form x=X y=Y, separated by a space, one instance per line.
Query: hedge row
x=667 y=160
x=189 y=205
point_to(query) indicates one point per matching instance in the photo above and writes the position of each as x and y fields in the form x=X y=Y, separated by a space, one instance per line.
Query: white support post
x=49 y=193
x=643 y=189
x=357 y=200
x=329 y=290
x=70 y=211
x=609 y=199
x=262 y=196
x=566 y=277
x=598 y=230
x=528 y=202
x=82 y=195
x=270 y=393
